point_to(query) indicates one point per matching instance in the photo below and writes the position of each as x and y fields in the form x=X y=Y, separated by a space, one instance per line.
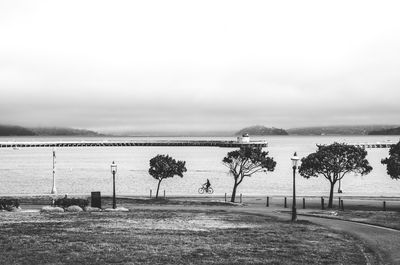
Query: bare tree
x=245 y=162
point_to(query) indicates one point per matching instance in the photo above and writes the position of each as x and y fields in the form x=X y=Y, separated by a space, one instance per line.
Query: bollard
x=384 y=205
x=164 y=194
x=285 y=204
x=267 y=201
x=150 y=193
x=304 y=203
x=225 y=196
x=240 y=198
x=341 y=202
x=322 y=203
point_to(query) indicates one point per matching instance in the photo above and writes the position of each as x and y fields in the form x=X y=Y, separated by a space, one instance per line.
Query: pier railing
x=369 y=145
x=228 y=144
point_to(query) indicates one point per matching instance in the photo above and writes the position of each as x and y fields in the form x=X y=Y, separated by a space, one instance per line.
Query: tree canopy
x=245 y=162
x=164 y=166
x=393 y=161
x=333 y=162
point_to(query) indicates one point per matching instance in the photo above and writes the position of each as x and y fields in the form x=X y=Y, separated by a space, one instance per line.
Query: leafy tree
x=333 y=162
x=164 y=166
x=245 y=162
x=393 y=161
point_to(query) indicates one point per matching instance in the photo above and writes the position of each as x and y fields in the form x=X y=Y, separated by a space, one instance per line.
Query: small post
x=322 y=203
x=285 y=204
x=240 y=198
x=164 y=194
x=225 y=196
x=384 y=205
x=341 y=202
x=267 y=201
x=304 y=203
x=150 y=193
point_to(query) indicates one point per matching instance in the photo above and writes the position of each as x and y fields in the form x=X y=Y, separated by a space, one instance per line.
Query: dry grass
x=383 y=218
x=169 y=237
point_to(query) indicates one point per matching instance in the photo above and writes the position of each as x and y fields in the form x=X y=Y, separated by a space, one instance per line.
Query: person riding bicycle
x=207 y=184
x=206 y=188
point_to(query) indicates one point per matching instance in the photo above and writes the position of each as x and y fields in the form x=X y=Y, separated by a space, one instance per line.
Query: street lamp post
x=113 y=171
x=294 y=159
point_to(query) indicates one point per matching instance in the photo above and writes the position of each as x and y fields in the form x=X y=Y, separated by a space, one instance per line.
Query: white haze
x=199 y=65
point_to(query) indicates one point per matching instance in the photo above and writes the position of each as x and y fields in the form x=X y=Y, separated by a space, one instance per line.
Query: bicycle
x=204 y=189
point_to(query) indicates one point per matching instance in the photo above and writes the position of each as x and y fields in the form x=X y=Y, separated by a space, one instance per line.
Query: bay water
x=81 y=170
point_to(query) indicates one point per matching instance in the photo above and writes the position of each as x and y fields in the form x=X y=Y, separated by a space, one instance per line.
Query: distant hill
x=392 y=131
x=261 y=130
x=10 y=130
x=60 y=131
x=339 y=130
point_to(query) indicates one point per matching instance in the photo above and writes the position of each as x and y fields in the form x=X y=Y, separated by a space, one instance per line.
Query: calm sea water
x=80 y=170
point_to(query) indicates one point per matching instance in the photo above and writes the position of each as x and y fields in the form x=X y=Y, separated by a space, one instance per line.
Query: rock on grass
x=74 y=209
x=118 y=209
x=50 y=209
x=92 y=209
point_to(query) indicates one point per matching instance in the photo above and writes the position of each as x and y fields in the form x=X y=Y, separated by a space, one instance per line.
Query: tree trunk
x=158 y=187
x=330 y=204
x=234 y=191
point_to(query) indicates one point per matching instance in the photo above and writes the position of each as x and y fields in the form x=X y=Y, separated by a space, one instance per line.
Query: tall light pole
x=294 y=159
x=113 y=171
x=53 y=189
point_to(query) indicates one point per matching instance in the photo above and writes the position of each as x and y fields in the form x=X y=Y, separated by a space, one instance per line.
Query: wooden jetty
x=228 y=144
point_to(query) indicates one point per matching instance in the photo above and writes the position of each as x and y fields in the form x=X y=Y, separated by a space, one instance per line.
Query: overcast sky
x=199 y=65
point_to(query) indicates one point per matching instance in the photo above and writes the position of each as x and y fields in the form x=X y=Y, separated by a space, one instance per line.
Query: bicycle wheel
x=210 y=190
x=201 y=190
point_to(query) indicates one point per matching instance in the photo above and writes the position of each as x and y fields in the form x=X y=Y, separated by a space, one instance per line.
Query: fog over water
x=198 y=66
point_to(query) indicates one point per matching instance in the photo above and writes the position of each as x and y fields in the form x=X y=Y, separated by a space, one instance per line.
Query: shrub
x=66 y=202
x=8 y=204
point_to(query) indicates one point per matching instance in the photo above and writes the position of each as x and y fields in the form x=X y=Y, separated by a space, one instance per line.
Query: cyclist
x=207 y=184
x=206 y=187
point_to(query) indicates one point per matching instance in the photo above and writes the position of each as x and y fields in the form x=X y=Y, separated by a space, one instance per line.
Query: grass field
x=383 y=218
x=170 y=237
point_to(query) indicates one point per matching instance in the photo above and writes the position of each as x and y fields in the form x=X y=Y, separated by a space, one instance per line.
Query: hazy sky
x=207 y=65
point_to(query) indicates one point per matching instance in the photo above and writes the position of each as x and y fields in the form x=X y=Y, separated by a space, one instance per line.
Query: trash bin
x=96 y=199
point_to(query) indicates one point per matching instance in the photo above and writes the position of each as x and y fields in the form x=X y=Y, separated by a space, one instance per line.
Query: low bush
x=8 y=204
x=66 y=202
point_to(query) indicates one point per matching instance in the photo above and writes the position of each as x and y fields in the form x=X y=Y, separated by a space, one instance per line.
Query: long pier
x=373 y=145
x=369 y=145
x=228 y=144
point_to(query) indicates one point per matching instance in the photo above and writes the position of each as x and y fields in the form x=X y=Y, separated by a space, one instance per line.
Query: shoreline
x=273 y=202
x=358 y=197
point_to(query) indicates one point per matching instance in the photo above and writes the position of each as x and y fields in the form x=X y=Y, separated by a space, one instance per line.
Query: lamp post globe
x=113 y=171
x=295 y=160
